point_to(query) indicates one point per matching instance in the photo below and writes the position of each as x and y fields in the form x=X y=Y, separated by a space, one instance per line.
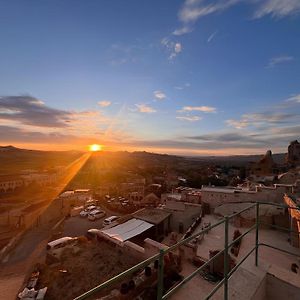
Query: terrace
x=261 y=277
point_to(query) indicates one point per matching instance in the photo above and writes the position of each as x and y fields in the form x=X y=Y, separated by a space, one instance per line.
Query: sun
x=95 y=148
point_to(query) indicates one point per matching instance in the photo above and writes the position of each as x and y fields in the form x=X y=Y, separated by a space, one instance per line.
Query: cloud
x=159 y=95
x=227 y=137
x=238 y=124
x=182 y=30
x=28 y=119
x=236 y=143
x=287 y=130
x=143 y=108
x=189 y=118
x=279 y=60
x=31 y=111
x=178 y=48
x=181 y=87
x=193 y=10
x=277 y=8
x=212 y=36
x=104 y=103
x=261 y=120
x=294 y=98
x=173 y=48
x=17 y=135
x=206 y=109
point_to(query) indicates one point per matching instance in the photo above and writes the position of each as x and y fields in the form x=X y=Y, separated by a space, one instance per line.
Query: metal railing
x=227 y=273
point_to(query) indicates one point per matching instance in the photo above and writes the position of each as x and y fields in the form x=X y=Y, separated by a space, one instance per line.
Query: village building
x=183 y=214
x=216 y=196
x=9 y=183
x=157 y=217
x=293 y=155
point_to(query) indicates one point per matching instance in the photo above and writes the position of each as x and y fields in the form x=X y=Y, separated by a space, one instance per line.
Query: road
x=76 y=226
x=15 y=267
x=32 y=249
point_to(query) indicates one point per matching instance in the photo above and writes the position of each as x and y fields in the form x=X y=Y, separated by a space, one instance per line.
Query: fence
x=227 y=273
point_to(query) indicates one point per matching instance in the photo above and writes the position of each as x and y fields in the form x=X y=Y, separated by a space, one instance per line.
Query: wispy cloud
x=159 y=95
x=181 y=87
x=104 y=103
x=227 y=137
x=205 y=109
x=212 y=36
x=279 y=60
x=144 y=108
x=294 y=98
x=189 y=118
x=261 y=120
x=277 y=8
x=193 y=10
x=173 y=48
x=120 y=54
x=182 y=30
x=238 y=124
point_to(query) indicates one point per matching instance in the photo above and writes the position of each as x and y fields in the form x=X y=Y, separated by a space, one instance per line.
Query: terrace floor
x=247 y=276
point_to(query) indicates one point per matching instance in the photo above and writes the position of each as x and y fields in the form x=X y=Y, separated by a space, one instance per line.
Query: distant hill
x=13 y=160
x=8 y=148
x=237 y=160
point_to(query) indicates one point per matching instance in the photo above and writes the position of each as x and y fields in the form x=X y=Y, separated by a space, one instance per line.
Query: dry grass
x=92 y=264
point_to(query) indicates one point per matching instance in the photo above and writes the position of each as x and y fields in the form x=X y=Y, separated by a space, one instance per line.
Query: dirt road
x=18 y=263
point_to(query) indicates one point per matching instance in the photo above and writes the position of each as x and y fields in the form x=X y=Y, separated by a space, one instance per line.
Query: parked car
x=75 y=211
x=87 y=210
x=60 y=243
x=109 y=220
x=92 y=233
x=96 y=214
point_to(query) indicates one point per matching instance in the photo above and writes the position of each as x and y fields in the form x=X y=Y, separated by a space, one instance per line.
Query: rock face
x=265 y=166
x=293 y=156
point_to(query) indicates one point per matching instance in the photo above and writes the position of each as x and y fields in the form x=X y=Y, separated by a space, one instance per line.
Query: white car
x=87 y=210
x=110 y=220
x=60 y=243
x=96 y=214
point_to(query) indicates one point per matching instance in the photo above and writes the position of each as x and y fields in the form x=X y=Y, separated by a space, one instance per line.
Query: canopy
x=127 y=230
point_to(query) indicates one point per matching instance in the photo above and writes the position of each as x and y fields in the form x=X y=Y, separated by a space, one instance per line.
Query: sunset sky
x=189 y=77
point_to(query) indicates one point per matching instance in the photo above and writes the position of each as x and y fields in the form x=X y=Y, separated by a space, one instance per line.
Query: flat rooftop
x=228 y=190
x=127 y=230
x=151 y=215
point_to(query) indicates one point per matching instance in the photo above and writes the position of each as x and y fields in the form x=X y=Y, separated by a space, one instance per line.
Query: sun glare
x=95 y=147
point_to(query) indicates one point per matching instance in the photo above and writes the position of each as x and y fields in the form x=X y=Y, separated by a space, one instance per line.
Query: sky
x=188 y=77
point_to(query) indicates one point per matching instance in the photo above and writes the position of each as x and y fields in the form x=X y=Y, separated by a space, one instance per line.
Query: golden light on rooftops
x=95 y=148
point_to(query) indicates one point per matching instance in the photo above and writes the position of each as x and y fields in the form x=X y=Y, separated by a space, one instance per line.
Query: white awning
x=127 y=230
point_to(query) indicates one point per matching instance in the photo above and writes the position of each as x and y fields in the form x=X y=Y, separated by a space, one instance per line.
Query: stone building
x=183 y=214
x=265 y=166
x=293 y=155
x=9 y=183
x=216 y=196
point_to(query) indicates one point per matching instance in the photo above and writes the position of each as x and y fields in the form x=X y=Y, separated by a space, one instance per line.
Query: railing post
x=226 y=259
x=160 y=275
x=256 y=235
